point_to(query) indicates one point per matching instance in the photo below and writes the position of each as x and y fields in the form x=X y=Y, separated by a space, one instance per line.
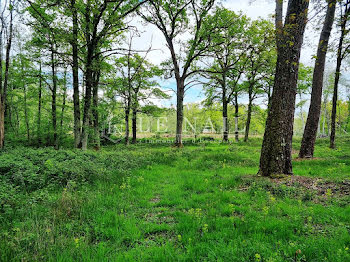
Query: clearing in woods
x=157 y=203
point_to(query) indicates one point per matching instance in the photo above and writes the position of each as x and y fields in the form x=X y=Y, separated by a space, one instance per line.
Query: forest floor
x=157 y=203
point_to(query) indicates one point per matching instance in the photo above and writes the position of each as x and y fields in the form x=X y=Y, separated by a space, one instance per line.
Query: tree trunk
x=179 y=111
x=134 y=127
x=87 y=103
x=249 y=114
x=310 y=132
x=48 y=137
x=95 y=110
x=26 y=118
x=1 y=65
x=134 y=120
x=75 y=69
x=53 y=96
x=39 y=107
x=17 y=122
x=63 y=103
x=236 y=117
x=2 y=123
x=279 y=20
x=334 y=105
x=86 y=113
x=10 y=113
x=276 y=152
x=127 y=114
x=224 y=117
x=88 y=78
x=337 y=75
x=3 y=90
x=224 y=109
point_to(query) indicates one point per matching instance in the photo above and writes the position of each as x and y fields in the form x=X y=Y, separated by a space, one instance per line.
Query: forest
x=175 y=130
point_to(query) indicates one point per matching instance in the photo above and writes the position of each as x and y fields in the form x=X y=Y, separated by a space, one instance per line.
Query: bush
x=28 y=174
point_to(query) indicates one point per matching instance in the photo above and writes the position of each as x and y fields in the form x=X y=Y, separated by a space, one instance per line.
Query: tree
x=39 y=105
x=260 y=61
x=102 y=22
x=144 y=88
x=75 y=72
x=4 y=86
x=173 y=19
x=135 y=84
x=48 y=35
x=227 y=59
x=310 y=132
x=341 y=54
x=277 y=144
x=64 y=100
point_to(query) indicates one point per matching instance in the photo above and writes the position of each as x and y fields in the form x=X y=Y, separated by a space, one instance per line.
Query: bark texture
x=39 y=107
x=3 y=89
x=134 y=125
x=312 y=123
x=95 y=110
x=64 y=98
x=179 y=112
x=26 y=118
x=236 y=117
x=225 y=102
x=340 y=57
x=88 y=78
x=334 y=104
x=75 y=72
x=277 y=144
x=53 y=97
x=127 y=126
x=134 y=115
x=224 y=119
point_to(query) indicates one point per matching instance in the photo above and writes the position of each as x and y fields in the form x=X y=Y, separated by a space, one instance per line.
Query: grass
x=157 y=203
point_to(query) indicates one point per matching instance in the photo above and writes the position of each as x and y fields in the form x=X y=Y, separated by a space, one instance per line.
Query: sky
x=253 y=9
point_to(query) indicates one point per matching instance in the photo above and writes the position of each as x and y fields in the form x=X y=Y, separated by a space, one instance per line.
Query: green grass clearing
x=157 y=203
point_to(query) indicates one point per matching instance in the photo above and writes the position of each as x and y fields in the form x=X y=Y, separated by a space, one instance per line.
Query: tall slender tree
x=4 y=86
x=261 y=60
x=47 y=36
x=227 y=59
x=310 y=131
x=341 y=54
x=134 y=84
x=102 y=23
x=173 y=19
x=39 y=105
x=276 y=157
x=75 y=72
